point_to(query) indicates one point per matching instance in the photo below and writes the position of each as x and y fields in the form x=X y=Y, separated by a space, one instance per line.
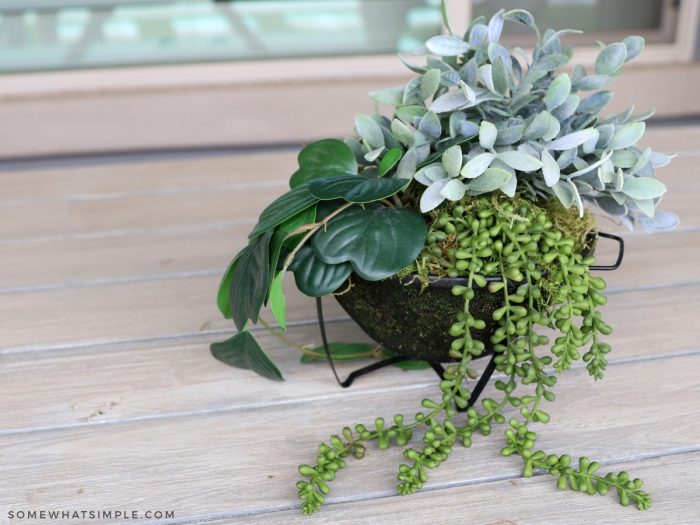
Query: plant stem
x=313 y=229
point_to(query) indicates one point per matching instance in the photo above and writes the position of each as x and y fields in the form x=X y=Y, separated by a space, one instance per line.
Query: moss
x=571 y=224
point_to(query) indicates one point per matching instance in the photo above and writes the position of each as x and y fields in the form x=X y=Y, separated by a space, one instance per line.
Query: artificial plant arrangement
x=477 y=184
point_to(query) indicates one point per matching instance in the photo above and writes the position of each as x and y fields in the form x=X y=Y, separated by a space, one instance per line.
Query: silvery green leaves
x=536 y=130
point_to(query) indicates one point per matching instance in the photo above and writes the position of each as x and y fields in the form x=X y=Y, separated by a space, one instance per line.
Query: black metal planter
x=414 y=323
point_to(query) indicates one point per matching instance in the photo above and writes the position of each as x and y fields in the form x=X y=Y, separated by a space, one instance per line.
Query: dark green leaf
x=278 y=302
x=340 y=352
x=355 y=188
x=243 y=351
x=389 y=160
x=283 y=208
x=316 y=278
x=279 y=238
x=222 y=297
x=251 y=280
x=324 y=158
x=378 y=241
x=412 y=364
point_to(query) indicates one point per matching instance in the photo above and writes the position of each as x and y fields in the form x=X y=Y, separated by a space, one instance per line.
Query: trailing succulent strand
x=543 y=282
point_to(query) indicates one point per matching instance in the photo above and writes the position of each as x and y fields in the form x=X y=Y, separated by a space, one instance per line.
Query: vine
x=512 y=248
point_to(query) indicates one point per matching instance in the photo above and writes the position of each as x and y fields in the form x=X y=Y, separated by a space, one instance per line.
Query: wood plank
x=242 y=463
x=124 y=312
x=115 y=180
x=137 y=257
x=95 y=385
x=138 y=210
x=681 y=139
x=515 y=501
x=171 y=307
x=146 y=256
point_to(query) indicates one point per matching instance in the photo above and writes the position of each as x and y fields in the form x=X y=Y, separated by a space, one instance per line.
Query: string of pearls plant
x=544 y=282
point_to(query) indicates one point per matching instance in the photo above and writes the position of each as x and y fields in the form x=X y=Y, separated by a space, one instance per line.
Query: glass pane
x=599 y=19
x=60 y=34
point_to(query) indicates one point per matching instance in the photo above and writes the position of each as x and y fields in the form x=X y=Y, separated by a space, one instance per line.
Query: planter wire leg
x=360 y=371
x=480 y=385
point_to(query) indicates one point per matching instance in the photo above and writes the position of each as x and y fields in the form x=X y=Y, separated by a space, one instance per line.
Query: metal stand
x=437 y=367
x=439 y=370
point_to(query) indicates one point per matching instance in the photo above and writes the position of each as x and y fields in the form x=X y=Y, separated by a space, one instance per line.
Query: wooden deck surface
x=111 y=400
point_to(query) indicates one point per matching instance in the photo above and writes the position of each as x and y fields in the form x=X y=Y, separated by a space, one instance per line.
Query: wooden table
x=111 y=400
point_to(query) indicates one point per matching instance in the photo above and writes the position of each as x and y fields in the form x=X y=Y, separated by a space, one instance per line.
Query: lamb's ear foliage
x=523 y=103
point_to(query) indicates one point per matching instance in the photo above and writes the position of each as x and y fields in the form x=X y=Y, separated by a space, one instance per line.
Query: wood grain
x=143 y=208
x=86 y=386
x=107 y=287
x=244 y=462
x=482 y=503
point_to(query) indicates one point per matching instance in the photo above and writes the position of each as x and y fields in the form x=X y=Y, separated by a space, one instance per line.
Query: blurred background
x=98 y=76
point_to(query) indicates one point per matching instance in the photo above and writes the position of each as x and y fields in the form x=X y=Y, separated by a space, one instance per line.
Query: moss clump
x=450 y=228
x=572 y=224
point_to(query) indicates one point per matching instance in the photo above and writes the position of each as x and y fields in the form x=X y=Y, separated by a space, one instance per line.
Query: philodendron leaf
x=377 y=241
x=413 y=364
x=291 y=203
x=447 y=45
x=521 y=161
x=250 y=281
x=281 y=233
x=222 y=297
x=389 y=160
x=491 y=180
x=611 y=59
x=322 y=159
x=340 y=352
x=627 y=135
x=278 y=302
x=643 y=188
x=315 y=278
x=355 y=188
x=243 y=351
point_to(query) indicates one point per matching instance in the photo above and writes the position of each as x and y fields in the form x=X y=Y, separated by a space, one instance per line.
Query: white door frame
x=272 y=101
